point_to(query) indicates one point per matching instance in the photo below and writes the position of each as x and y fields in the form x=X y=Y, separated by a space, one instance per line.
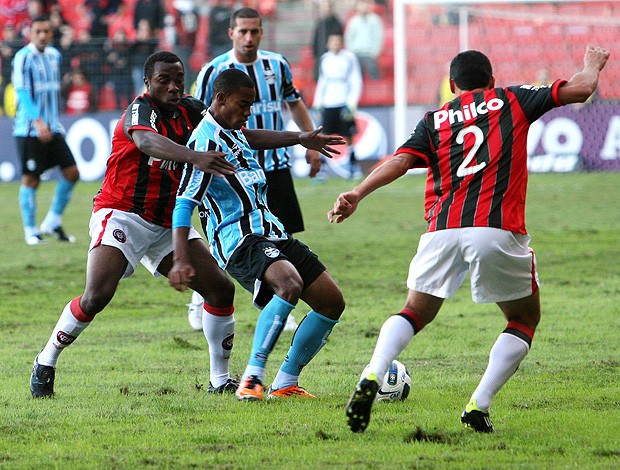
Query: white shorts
x=139 y=241
x=500 y=263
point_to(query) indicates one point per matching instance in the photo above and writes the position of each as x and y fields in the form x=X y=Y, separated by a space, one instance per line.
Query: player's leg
x=502 y=269
x=62 y=156
x=195 y=306
x=284 y=280
x=105 y=267
x=29 y=151
x=396 y=333
x=327 y=303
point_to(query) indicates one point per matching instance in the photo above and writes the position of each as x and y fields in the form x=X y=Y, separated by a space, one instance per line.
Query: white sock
x=396 y=333
x=65 y=332
x=219 y=332
x=254 y=370
x=504 y=359
x=284 y=380
x=52 y=220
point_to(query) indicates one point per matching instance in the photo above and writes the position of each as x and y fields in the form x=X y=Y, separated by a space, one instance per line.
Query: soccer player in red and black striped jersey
x=475 y=150
x=132 y=216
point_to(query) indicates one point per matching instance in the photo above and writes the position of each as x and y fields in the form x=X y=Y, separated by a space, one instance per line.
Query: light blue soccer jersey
x=38 y=74
x=273 y=80
x=236 y=204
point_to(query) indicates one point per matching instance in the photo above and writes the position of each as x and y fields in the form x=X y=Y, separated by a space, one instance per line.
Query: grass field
x=130 y=390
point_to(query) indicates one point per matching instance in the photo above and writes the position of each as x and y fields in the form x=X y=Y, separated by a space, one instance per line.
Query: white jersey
x=340 y=80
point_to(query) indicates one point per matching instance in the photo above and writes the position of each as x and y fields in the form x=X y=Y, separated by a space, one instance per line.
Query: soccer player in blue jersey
x=39 y=134
x=251 y=243
x=273 y=83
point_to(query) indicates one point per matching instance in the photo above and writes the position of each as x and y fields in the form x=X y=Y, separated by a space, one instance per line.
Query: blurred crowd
x=104 y=43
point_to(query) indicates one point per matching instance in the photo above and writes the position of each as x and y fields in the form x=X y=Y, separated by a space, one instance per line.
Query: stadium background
x=524 y=40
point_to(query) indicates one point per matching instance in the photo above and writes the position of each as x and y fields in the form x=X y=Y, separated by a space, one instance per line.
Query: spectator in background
x=119 y=72
x=338 y=91
x=145 y=44
x=58 y=23
x=327 y=24
x=88 y=57
x=100 y=14
x=39 y=134
x=363 y=35
x=219 y=21
x=77 y=93
x=152 y=11
x=180 y=28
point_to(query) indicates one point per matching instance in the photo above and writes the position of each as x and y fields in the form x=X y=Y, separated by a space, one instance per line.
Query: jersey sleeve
x=20 y=78
x=418 y=144
x=537 y=100
x=289 y=91
x=140 y=115
x=204 y=84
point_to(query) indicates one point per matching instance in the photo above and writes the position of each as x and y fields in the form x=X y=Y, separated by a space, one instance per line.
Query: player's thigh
x=438 y=267
x=502 y=265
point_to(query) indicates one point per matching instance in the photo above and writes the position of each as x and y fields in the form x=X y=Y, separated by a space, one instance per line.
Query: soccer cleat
x=58 y=233
x=291 y=324
x=194 y=311
x=230 y=386
x=472 y=417
x=288 y=392
x=35 y=240
x=250 y=388
x=42 y=380
x=358 y=408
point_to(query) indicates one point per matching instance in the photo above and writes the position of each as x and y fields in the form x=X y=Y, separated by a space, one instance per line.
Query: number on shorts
x=464 y=169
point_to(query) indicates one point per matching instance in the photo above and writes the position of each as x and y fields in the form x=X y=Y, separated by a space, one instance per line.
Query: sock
x=268 y=328
x=28 y=206
x=506 y=355
x=396 y=333
x=71 y=323
x=310 y=337
x=62 y=196
x=218 y=326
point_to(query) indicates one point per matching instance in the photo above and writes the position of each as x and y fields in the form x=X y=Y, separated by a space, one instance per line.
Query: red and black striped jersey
x=475 y=148
x=136 y=182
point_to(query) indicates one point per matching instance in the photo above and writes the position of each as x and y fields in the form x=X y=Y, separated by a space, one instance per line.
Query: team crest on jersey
x=119 y=235
x=270 y=77
x=271 y=252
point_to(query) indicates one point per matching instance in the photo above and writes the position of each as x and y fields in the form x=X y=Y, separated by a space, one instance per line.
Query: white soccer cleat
x=291 y=324
x=194 y=311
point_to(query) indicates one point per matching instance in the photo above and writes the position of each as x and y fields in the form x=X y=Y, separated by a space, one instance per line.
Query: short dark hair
x=41 y=19
x=471 y=70
x=231 y=80
x=160 y=56
x=244 y=12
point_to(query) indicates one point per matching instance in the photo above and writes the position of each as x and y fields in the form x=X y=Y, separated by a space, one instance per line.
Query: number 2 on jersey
x=464 y=169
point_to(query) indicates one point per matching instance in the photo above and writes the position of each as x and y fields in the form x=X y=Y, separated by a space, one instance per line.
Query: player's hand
x=344 y=207
x=316 y=141
x=213 y=162
x=314 y=160
x=596 y=57
x=43 y=131
x=180 y=275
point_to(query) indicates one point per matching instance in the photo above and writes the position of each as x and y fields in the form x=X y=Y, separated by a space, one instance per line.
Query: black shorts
x=339 y=121
x=282 y=200
x=252 y=258
x=37 y=156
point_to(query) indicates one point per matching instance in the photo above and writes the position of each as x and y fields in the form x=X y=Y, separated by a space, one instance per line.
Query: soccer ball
x=396 y=383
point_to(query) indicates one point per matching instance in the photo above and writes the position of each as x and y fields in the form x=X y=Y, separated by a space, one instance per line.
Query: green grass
x=130 y=390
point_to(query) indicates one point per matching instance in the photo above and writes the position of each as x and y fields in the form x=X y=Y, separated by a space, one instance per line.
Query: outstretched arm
x=260 y=139
x=581 y=85
x=158 y=146
x=384 y=174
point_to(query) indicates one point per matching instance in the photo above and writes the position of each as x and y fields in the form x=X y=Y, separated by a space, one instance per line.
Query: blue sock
x=28 y=206
x=268 y=328
x=62 y=196
x=310 y=337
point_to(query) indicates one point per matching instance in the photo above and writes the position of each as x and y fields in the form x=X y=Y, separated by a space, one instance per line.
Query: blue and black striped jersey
x=273 y=80
x=37 y=73
x=236 y=205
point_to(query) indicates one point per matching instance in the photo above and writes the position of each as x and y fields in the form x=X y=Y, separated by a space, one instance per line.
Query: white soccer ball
x=396 y=383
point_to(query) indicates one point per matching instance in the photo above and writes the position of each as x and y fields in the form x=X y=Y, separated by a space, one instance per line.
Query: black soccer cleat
x=358 y=408
x=58 y=233
x=230 y=386
x=478 y=420
x=42 y=380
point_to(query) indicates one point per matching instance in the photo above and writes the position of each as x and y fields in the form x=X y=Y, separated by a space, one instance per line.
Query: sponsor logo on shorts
x=119 y=235
x=65 y=338
x=227 y=344
x=271 y=252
